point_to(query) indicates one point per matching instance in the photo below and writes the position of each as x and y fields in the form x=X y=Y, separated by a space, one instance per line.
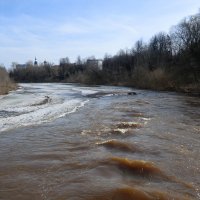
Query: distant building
x=35 y=63
x=20 y=66
x=27 y=64
x=95 y=63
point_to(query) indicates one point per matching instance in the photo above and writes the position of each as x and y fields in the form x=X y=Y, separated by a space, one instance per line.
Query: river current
x=67 y=141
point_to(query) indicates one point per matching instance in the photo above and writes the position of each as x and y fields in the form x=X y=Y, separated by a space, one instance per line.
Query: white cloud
x=22 y=41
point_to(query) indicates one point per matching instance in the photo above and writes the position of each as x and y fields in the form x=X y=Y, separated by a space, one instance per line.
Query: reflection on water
x=117 y=147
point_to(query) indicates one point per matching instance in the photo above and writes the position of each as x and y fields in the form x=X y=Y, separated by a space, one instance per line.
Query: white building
x=95 y=63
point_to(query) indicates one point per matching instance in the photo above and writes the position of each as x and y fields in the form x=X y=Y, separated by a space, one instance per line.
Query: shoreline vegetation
x=6 y=85
x=167 y=62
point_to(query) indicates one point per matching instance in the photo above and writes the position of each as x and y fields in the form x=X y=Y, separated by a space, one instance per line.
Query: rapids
x=66 y=141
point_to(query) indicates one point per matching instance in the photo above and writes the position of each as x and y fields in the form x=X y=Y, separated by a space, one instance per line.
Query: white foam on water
x=85 y=91
x=39 y=114
x=88 y=92
x=36 y=104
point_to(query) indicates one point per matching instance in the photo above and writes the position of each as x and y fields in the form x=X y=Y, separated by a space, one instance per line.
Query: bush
x=157 y=79
x=5 y=83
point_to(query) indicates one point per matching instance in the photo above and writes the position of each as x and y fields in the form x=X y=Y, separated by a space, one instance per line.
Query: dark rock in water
x=131 y=93
x=45 y=101
x=97 y=95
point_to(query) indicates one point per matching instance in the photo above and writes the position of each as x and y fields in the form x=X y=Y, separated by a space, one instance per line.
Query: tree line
x=167 y=61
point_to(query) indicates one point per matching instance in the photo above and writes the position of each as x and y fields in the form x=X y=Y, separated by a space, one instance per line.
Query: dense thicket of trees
x=176 y=54
x=167 y=61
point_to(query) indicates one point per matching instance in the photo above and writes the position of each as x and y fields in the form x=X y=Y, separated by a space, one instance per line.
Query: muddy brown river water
x=60 y=142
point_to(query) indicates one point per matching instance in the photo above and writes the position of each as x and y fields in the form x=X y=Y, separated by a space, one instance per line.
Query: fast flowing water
x=62 y=141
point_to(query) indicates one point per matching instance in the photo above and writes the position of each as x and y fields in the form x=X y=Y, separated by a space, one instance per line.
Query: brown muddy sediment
x=106 y=151
x=145 y=169
x=140 y=167
x=120 y=146
x=136 y=193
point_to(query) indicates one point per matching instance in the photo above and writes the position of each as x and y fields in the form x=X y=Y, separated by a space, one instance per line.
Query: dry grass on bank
x=190 y=89
x=6 y=84
x=161 y=80
x=6 y=87
x=157 y=79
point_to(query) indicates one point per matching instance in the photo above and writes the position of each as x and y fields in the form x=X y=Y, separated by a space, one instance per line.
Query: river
x=65 y=141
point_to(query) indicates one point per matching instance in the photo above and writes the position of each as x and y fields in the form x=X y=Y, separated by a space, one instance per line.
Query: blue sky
x=53 y=29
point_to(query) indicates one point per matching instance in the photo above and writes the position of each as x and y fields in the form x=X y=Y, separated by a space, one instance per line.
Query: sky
x=54 y=29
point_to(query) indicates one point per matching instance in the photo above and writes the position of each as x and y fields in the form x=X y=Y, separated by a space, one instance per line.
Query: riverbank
x=5 y=88
x=157 y=80
x=190 y=89
x=6 y=84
